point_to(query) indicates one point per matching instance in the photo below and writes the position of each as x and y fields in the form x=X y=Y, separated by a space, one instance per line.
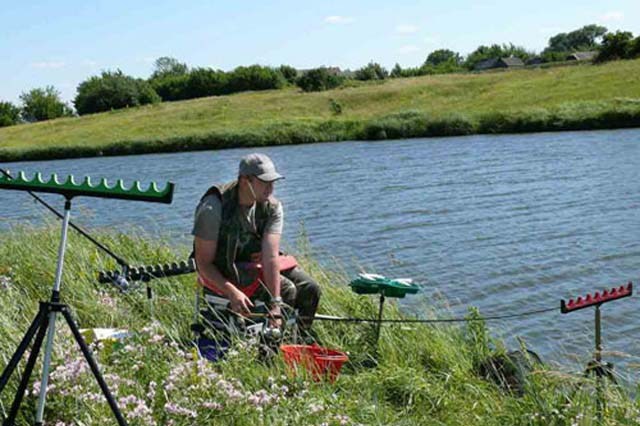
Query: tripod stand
x=45 y=320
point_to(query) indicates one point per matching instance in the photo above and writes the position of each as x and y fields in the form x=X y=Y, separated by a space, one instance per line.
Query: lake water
x=507 y=223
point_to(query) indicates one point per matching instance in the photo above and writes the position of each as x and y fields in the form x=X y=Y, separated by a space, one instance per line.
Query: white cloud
x=612 y=16
x=406 y=29
x=336 y=19
x=48 y=64
x=410 y=48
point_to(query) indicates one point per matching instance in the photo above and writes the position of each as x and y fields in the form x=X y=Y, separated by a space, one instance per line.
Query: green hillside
x=561 y=98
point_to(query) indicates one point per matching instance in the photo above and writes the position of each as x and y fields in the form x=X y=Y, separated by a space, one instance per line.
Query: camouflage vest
x=236 y=243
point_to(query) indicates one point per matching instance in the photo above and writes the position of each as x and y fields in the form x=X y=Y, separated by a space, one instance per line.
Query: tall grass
x=564 y=98
x=425 y=374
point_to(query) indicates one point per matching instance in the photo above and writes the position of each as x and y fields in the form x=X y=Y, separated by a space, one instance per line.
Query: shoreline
x=403 y=125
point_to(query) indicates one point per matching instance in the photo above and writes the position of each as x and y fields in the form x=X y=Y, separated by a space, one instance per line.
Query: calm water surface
x=506 y=223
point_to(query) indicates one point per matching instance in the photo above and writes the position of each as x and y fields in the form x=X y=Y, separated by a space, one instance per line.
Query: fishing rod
x=320 y=317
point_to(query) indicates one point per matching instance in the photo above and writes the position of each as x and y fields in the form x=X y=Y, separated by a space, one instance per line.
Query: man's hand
x=275 y=316
x=240 y=303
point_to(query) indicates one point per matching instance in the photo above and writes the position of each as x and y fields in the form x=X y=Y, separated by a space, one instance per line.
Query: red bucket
x=320 y=362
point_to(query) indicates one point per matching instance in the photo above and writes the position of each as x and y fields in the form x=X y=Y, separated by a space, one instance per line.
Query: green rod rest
x=69 y=188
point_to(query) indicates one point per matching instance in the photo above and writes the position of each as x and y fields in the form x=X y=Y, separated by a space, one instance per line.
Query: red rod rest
x=596 y=299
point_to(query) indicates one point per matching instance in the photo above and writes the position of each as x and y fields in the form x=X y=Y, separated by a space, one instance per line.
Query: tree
x=43 y=104
x=113 y=90
x=206 y=82
x=585 y=38
x=9 y=114
x=616 y=45
x=371 y=71
x=634 y=51
x=440 y=56
x=166 y=66
x=319 y=79
x=289 y=73
x=396 y=71
x=254 y=77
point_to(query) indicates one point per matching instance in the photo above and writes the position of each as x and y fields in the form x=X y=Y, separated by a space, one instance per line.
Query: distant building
x=536 y=60
x=582 y=56
x=511 y=62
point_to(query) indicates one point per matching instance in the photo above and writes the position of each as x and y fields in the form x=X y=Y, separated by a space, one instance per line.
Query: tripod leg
x=24 y=344
x=35 y=350
x=46 y=364
x=94 y=367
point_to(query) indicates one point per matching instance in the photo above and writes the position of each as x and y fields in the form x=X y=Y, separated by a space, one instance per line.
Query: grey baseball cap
x=260 y=166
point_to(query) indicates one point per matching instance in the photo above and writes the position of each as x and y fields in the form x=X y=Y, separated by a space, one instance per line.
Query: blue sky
x=62 y=43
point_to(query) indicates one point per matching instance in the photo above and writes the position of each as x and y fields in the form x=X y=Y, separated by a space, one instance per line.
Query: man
x=237 y=232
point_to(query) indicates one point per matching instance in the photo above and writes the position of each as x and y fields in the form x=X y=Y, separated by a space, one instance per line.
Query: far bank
x=588 y=97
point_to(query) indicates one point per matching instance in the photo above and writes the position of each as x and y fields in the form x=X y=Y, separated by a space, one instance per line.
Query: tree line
x=173 y=80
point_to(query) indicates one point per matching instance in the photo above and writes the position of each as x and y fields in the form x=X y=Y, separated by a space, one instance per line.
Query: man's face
x=261 y=189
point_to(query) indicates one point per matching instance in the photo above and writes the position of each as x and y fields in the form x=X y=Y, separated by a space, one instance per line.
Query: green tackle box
x=377 y=284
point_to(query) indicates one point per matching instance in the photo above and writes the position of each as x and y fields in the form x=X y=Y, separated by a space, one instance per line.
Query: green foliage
x=166 y=66
x=289 y=73
x=113 y=90
x=396 y=71
x=585 y=38
x=254 y=77
x=172 y=87
x=371 y=71
x=634 y=51
x=9 y=114
x=618 y=45
x=496 y=51
x=441 y=56
x=203 y=82
x=43 y=104
x=319 y=79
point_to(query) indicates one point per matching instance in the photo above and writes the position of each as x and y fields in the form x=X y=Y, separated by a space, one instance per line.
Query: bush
x=9 y=114
x=289 y=73
x=206 y=82
x=171 y=87
x=635 y=48
x=113 y=90
x=319 y=79
x=372 y=71
x=254 y=77
x=615 y=46
x=43 y=104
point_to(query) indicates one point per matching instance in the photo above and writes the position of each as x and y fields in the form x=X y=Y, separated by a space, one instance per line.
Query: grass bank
x=426 y=375
x=547 y=99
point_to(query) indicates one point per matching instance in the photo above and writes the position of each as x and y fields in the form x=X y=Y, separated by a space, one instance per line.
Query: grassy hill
x=562 y=98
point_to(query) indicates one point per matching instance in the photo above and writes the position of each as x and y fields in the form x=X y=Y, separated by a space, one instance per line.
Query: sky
x=63 y=43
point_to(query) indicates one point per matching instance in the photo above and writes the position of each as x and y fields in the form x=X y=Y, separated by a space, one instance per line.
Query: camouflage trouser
x=299 y=291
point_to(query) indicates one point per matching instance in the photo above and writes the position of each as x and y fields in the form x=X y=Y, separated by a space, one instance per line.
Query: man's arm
x=271 y=264
x=205 y=254
x=271 y=272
